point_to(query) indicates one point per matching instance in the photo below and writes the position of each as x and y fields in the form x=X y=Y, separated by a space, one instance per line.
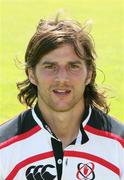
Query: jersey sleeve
x=122 y=165
x=1 y=176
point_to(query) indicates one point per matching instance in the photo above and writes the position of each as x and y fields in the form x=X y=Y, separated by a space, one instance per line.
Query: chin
x=60 y=108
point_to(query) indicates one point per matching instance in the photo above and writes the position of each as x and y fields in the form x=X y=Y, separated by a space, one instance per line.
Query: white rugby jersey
x=30 y=151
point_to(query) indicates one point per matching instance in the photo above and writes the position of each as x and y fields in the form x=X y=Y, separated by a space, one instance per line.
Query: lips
x=61 y=92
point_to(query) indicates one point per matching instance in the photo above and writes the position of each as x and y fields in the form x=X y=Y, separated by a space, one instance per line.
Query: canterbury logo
x=40 y=172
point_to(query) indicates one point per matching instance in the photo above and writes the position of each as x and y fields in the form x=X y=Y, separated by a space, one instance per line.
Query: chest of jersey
x=34 y=159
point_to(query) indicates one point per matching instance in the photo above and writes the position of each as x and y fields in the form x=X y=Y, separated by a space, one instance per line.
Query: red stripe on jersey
x=20 y=137
x=104 y=133
x=94 y=158
x=27 y=161
x=73 y=154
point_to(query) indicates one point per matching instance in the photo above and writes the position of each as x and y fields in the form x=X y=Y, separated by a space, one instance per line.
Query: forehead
x=62 y=54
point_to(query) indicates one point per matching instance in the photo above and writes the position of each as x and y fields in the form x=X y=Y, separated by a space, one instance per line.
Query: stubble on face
x=67 y=100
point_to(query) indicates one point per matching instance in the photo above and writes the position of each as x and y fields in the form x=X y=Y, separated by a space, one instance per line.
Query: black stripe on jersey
x=58 y=154
x=104 y=122
x=17 y=126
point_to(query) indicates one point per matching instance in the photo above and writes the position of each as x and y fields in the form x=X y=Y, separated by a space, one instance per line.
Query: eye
x=49 y=66
x=74 y=66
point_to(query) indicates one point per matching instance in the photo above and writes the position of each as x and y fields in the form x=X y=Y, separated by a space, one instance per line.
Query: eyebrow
x=48 y=62
x=70 y=62
x=75 y=62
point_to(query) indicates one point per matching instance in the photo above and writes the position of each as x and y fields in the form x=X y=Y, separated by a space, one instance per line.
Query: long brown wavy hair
x=49 y=35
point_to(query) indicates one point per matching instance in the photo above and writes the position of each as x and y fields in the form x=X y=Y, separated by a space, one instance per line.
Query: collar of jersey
x=82 y=136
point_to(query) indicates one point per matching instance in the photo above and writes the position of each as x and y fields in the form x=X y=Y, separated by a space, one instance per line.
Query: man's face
x=60 y=77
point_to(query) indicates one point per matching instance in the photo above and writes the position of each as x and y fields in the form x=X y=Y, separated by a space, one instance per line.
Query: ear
x=89 y=77
x=32 y=76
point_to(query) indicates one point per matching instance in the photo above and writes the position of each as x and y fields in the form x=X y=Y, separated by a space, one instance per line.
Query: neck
x=65 y=125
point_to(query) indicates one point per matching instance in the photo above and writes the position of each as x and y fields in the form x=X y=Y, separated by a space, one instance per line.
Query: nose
x=62 y=75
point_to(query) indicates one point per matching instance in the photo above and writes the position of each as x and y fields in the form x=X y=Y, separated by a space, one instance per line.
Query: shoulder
x=106 y=123
x=16 y=126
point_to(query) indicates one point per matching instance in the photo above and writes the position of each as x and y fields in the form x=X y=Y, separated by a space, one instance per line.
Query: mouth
x=61 y=92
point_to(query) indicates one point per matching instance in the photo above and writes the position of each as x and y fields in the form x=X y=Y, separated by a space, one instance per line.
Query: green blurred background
x=18 y=21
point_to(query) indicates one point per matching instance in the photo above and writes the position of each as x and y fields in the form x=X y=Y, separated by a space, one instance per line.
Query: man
x=67 y=135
